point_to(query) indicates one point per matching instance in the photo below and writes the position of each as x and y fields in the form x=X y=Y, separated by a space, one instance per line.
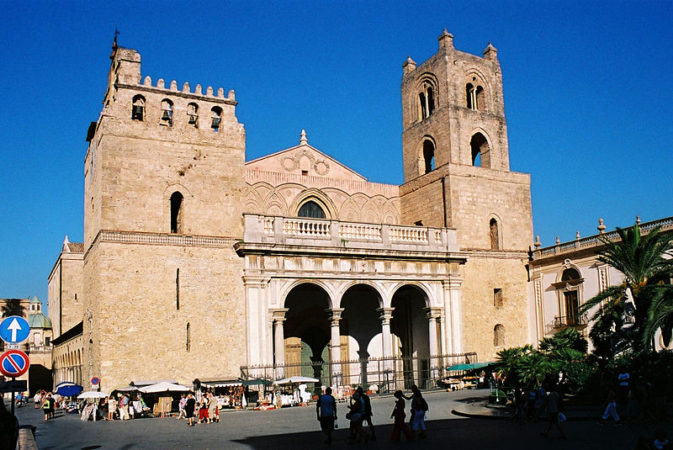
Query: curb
x=492 y=417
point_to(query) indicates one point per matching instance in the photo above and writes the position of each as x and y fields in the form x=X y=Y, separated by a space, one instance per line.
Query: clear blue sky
x=588 y=97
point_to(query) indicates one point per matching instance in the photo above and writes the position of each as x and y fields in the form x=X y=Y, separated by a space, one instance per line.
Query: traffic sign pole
x=13 y=398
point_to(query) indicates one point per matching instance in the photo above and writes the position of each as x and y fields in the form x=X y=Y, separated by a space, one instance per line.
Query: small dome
x=35 y=300
x=39 y=320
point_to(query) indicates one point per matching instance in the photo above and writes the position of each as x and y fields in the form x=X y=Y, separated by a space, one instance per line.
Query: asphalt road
x=297 y=428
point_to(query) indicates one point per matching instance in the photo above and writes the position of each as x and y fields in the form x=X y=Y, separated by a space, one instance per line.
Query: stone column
x=386 y=338
x=432 y=315
x=335 y=346
x=279 y=341
x=453 y=305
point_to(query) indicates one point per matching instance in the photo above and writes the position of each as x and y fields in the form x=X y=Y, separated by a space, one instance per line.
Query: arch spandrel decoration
x=317 y=196
x=289 y=286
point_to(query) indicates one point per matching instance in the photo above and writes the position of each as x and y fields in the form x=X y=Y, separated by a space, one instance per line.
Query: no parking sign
x=14 y=363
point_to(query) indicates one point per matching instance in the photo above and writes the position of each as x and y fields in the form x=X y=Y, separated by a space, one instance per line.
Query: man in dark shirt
x=368 y=411
x=326 y=412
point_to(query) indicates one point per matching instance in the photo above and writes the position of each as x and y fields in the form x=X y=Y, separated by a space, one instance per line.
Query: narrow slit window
x=494 y=234
x=188 y=337
x=498 y=298
x=429 y=156
x=176 y=212
x=177 y=289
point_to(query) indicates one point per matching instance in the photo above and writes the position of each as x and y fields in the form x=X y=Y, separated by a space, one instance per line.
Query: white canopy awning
x=164 y=387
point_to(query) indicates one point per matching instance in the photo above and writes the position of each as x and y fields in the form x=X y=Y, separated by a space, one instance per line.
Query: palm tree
x=13 y=307
x=641 y=258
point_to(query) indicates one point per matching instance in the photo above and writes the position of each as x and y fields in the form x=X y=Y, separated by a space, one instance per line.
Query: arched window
x=167 y=112
x=499 y=335
x=138 y=110
x=193 y=114
x=426 y=100
x=570 y=274
x=469 y=96
x=429 y=156
x=311 y=209
x=215 y=118
x=480 y=151
x=494 y=234
x=176 y=212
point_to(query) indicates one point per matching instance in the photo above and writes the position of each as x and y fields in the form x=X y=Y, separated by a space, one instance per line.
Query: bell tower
x=455 y=150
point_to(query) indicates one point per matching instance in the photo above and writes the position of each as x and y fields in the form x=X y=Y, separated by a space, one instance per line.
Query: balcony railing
x=575 y=320
x=354 y=235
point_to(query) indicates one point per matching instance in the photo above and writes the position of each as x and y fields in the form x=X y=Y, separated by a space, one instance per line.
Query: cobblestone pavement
x=297 y=428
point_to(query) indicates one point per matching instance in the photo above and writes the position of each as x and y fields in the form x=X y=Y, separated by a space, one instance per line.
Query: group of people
x=124 y=408
x=208 y=409
x=360 y=411
x=544 y=402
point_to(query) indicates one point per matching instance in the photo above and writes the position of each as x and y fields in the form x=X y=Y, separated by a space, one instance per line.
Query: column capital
x=278 y=314
x=256 y=281
x=433 y=313
x=386 y=314
x=335 y=315
x=454 y=282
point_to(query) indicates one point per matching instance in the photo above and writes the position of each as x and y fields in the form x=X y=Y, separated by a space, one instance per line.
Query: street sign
x=95 y=380
x=14 y=329
x=14 y=363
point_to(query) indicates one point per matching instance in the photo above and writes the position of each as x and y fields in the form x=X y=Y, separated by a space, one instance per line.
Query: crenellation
x=161 y=84
x=174 y=86
x=198 y=91
x=209 y=91
x=147 y=81
x=185 y=88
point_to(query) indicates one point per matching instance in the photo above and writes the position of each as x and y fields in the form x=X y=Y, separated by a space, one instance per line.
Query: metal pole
x=13 y=396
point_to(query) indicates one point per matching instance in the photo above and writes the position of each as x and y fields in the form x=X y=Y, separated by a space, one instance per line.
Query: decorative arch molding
x=317 y=196
x=420 y=285
x=482 y=80
x=568 y=264
x=173 y=187
x=285 y=290
x=344 y=287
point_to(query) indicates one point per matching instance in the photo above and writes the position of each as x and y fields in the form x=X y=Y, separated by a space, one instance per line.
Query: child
x=203 y=413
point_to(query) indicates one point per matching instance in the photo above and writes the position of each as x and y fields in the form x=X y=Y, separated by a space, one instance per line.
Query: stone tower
x=456 y=173
x=163 y=180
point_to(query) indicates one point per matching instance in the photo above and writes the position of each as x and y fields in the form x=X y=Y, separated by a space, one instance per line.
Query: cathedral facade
x=197 y=264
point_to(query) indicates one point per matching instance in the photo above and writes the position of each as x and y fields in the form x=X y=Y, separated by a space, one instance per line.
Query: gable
x=304 y=160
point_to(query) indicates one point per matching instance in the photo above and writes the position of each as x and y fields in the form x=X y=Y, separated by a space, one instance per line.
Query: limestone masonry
x=199 y=265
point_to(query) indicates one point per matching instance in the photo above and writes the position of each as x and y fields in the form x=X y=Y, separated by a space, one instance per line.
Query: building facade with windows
x=567 y=274
x=198 y=264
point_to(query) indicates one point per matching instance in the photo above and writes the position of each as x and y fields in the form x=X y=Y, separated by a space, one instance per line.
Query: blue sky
x=587 y=84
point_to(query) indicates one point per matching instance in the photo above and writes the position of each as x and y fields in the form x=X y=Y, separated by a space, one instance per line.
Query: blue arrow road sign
x=14 y=329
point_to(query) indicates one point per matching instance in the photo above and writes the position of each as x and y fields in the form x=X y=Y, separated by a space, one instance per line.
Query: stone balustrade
x=331 y=233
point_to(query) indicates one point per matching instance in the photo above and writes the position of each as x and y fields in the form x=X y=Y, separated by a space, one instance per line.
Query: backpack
x=424 y=404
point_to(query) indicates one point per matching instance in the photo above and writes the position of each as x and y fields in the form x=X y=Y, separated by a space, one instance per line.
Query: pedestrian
x=212 y=407
x=37 y=400
x=111 y=408
x=530 y=408
x=519 y=404
x=46 y=406
x=420 y=407
x=190 y=404
x=203 y=410
x=356 y=416
x=368 y=412
x=52 y=405
x=553 y=412
x=124 y=407
x=611 y=407
x=398 y=415
x=181 y=407
x=326 y=412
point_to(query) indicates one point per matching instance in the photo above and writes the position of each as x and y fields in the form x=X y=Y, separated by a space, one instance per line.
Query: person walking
x=326 y=412
x=368 y=412
x=398 y=414
x=46 y=406
x=190 y=404
x=181 y=407
x=419 y=407
x=611 y=408
x=212 y=407
x=124 y=407
x=356 y=416
x=553 y=411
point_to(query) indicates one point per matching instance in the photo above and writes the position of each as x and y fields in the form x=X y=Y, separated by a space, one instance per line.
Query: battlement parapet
x=186 y=91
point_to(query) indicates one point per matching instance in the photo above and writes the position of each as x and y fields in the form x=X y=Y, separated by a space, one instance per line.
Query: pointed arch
x=480 y=150
x=317 y=196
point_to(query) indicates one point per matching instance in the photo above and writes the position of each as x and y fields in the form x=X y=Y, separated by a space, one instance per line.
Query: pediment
x=306 y=160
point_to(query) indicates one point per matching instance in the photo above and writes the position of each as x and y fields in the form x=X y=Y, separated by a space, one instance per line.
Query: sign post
x=14 y=363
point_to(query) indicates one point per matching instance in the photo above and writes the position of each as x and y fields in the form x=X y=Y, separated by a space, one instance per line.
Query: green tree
x=13 y=307
x=641 y=259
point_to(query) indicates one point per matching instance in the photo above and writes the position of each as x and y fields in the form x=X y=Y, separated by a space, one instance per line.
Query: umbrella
x=69 y=390
x=472 y=366
x=164 y=387
x=296 y=380
x=92 y=394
